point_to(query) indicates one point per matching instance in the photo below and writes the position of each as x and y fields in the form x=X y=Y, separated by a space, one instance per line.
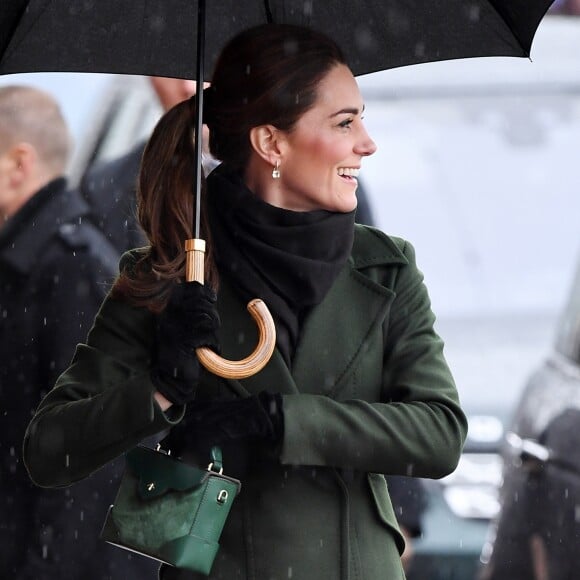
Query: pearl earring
x=276 y=171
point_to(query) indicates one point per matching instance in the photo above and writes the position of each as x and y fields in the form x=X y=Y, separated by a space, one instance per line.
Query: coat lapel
x=334 y=334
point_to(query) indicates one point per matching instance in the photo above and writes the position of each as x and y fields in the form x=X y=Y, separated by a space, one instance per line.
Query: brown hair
x=266 y=75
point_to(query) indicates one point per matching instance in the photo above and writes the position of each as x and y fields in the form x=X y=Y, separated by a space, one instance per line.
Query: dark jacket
x=369 y=394
x=110 y=190
x=55 y=268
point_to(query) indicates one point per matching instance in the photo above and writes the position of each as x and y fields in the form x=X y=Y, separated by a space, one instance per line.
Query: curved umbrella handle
x=194 y=272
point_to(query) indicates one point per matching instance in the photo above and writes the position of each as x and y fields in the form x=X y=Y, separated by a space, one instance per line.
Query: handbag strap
x=216 y=460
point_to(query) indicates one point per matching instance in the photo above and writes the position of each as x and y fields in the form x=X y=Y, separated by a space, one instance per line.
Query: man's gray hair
x=33 y=116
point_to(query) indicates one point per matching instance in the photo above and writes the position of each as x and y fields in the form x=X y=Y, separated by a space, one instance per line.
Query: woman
x=358 y=385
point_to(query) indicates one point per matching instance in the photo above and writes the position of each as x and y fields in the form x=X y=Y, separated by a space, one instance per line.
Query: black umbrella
x=160 y=37
x=157 y=37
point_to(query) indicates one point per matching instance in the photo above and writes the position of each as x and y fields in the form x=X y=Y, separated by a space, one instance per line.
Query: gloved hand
x=190 y=320
x=259 y=417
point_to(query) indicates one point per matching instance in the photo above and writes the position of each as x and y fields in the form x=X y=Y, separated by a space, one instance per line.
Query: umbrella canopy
x=158 y=37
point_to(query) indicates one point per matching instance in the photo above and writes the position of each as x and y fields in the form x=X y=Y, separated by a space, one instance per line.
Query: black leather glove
x=190 y=320
x=259 y=417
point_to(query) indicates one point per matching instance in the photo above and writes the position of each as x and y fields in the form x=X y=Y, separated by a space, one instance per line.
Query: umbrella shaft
x=198 y=138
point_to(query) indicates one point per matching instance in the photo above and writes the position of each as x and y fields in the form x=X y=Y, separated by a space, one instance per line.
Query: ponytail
x=165 y=208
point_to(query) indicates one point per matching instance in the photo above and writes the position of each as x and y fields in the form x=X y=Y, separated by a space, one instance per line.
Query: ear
x=23 y=158
x=266 y=140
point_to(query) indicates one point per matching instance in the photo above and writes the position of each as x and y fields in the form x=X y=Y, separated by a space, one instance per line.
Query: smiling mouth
x=348 y=173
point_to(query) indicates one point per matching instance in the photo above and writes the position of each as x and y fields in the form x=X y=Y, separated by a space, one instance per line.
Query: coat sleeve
x=102 y=405
x=417 y=429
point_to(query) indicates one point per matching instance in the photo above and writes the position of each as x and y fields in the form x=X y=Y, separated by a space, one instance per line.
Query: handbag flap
x=158 y=472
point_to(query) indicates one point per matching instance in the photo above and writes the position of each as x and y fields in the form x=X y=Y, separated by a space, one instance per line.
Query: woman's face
x=322 y=154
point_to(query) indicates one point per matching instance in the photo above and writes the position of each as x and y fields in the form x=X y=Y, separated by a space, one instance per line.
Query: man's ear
x=23 y=157
x=266 y=140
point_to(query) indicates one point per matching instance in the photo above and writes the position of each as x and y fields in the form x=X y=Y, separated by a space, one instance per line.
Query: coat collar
x=329 y=345
x=27 y=233
x=372 y=247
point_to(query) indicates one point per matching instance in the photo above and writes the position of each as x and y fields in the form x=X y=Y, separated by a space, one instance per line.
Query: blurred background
x=478 y=166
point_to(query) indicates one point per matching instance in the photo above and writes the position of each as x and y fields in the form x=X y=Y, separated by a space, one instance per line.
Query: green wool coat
x=369 y=394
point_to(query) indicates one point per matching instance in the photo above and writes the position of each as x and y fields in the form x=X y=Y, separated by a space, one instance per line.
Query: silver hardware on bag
x=222 y=496
x=210 y=468
x=150 y=486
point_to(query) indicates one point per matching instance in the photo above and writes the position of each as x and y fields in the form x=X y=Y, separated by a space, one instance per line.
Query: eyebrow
x=347 y=111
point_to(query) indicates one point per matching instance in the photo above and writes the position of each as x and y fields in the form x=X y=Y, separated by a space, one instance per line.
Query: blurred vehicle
x=477 y=167
x=537 y=530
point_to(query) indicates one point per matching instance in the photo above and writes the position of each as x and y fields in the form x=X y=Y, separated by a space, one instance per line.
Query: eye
x=346 y=123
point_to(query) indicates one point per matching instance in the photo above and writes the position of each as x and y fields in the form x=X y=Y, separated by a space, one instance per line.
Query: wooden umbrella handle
x=194 y=272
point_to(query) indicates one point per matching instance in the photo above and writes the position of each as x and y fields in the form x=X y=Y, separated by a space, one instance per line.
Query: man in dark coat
x=55 y=268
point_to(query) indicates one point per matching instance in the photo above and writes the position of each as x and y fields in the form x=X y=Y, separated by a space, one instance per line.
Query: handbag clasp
x=210 y=468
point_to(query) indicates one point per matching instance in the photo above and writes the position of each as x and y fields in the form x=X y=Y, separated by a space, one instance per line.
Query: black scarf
x=288 y=259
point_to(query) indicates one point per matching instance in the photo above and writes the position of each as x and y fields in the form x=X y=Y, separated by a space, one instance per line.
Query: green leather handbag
x=169 y=510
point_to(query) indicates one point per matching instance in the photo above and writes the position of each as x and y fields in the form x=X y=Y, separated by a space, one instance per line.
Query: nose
x=365 y=146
